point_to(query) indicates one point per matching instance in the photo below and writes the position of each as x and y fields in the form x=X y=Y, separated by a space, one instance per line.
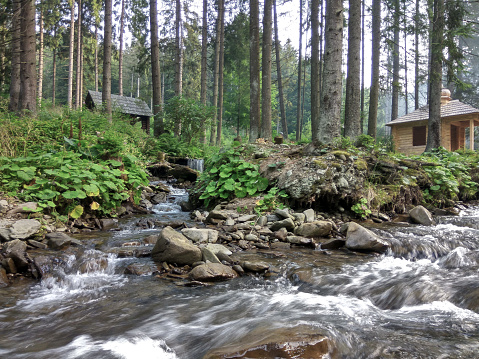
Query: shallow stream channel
x=418 y=300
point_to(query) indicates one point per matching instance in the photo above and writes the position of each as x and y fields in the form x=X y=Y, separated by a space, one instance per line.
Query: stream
x=419 y=300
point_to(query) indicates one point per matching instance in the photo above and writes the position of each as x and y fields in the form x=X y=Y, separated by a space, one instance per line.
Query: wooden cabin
x=409 y=132
x=136 y=108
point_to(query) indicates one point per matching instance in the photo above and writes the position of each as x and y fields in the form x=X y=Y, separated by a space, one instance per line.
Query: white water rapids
x=420 y=300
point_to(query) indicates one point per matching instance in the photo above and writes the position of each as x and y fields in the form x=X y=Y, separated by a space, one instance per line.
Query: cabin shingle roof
x=452 y=108
x=123 y=104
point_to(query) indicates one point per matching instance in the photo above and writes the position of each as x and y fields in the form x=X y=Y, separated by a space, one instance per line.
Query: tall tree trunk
x=374 y=89
x=216 y=76
x=284 y=124
x=15 y=49
x=352 y=115
x=70 y=55
x=106 y=83
x=40 y=57
x=204 y=55
x=396 y=86
x=331 y=89
x=435 y=77
x=179 y=52
x=54 y=76
x=416 y=55
x=221 y=4
x=254 y=71
x=300 y=63
x=96 y=57
x=315 y=69
x=406 y=97
x=363 y=31
x=266 y=130
x=155 y=69
x=78 y=67
x=28 y=61
x=120 y=53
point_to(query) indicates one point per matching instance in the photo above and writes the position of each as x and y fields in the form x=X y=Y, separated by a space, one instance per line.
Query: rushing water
x=419 y=300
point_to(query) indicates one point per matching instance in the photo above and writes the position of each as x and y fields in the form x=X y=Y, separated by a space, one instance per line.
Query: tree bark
x=284 y=123
x=395 y=78
x=179 y=52
x=106 y=85
x=221 y=4
x=204 y=54
x=40 y=57
x=352 y=115
x=374 y=89
x=216 y=76
x=300 y=63
x=70 y=55
x=96 y=57
x=266 y=130
x=28 y=61
x=435 y=77
x=15 y=49
x=254 y=71
x=416 y=55
x=363 y=31
x=331 y=89
x=120 y=53
x=315 y=69
x=78 y=67
x=54 y=76
x=158 y=128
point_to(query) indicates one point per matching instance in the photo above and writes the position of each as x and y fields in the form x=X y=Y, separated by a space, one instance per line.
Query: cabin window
x=419 y=136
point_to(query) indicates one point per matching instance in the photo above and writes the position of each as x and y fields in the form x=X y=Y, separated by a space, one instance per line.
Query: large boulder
x=212 y=272
x=173 y=247
x=58 y=240
x=184 y=173
x=359 y=238
x=200 y=235
x=421 y=215
x=314 y=229
x=24 y=228
x=296 y=342
x=4 y=282
x=16 y=250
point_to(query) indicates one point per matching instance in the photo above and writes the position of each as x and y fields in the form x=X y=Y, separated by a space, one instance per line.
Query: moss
x=321 y=164
x=338 y=153
x=361 y=164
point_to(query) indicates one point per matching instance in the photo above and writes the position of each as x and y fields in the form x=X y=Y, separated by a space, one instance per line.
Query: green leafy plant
x=270 y=201
x=361 y=208
x=229 y=176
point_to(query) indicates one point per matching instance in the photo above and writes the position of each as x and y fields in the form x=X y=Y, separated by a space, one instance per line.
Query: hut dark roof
x=123 y=104
x=452 y=108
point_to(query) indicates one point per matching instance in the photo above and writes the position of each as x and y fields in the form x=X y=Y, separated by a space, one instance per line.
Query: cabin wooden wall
x=402 y=137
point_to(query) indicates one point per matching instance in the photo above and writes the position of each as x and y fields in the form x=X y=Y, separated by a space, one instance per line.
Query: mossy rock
x=361 y=165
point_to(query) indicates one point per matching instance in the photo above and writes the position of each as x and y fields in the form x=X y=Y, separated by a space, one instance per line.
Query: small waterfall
x=196 y=164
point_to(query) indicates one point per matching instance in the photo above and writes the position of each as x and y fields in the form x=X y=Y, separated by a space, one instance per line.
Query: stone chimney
x=445 y=96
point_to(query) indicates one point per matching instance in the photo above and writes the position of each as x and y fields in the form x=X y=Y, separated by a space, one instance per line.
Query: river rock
x=255 y=266
x=421 y=215
x=200 y=235
x=333 y=243
x=218 y=248
x=301 y=241
x=217 y=214
x=285 y=343
x=174 y=247
x=262 y=221
x=16 y=250
x=108 y=223
x=9 y=265
x=309 y=215
x=281 y=234
x=27 y=207
x=209 y=256
x=58 y=240
x=251 y=237
x=247 y=218
x=314 y=229
x=285 y=223
x=212 y=272
x=24 y=228
x=140 y=269
x=299 y=217
x=4 y=282
x=282 y=213
x=183 y=173
x=3 y=206
x=159 y=198
x=359 y=238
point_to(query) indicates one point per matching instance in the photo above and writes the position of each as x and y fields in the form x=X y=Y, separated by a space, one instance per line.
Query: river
x=419 y=300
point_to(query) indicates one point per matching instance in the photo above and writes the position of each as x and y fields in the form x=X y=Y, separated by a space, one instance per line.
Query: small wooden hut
x=136 y=108
x=409 y=132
